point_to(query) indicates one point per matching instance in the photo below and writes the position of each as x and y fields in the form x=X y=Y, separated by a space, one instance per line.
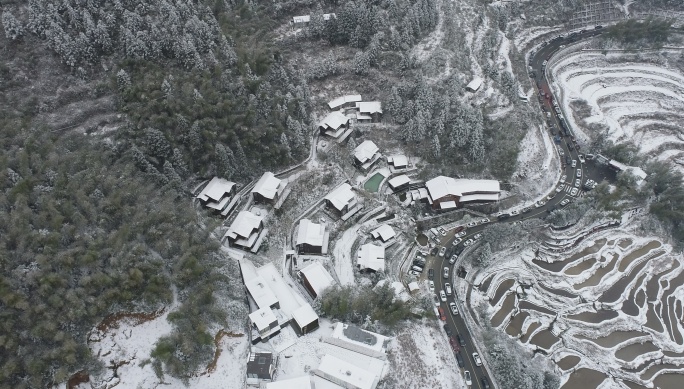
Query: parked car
x=551 y=196
x=442 y=296
x=468 y=242
x=457 y=241
x=436 y=300
x=454 y=309
x=563 y=178
x=485 y=220
x=564 y=202
x=579 y=173
x=516 y=212
x=540 y=203
x=468 y=380
x=442 y=316
x=476 y=358
x=578 y=182
x=477 y=236
x=574 y=163
x=471 y=224
x=431 y=284
x=431 y=274
x=442 y=231
x=452 y=343
x=560 y=188
x=461 y=234
x=446 y=273
x=581 y=158
x=448 y=332
x=447 y=288
x=461 y=341
x=453 y=259
x=459 y=359
x=413 y=273
x=417 y=268
x=574 y=192
x=485 y=383
x=442 y=251
x=504 y=216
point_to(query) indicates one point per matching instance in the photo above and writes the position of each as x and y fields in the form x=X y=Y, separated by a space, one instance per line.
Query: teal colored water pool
x=373 y=183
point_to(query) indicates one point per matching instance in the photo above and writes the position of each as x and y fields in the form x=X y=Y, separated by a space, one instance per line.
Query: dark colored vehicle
x=459 y=229
x=485 y=383
x=442 y=316
x=454 y=345
x=419 y=262
x=504 y=216
x=598 y=27
x=448 y=331
x=568 y=160
x=459 y=359
x=461 y=341
x=431 y=274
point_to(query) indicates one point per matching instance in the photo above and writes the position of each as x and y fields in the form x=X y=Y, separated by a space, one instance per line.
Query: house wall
x=308 y=286
x=309 y=249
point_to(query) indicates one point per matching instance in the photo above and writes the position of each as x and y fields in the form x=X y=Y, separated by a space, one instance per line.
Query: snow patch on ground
x=538 y=165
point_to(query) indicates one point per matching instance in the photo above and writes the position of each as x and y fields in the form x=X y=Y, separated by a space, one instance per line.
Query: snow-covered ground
x=616 y=301
x=640 y=100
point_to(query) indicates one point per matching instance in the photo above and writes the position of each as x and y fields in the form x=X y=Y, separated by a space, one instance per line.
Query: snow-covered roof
x=310 y=233
x=216 y=189
x=398 y=181
x=244 y=224
x=361 y=337
x=317 y=277
x=303 y=382
x=369 y=107
x=267 y=186
x=479 y=197
x=353 y=376
x=307 y=18
x=262 y=318
x=304 y=315
x=365 y=151
x=385 y=232
x=371 y=257
x=475 y=84
x=342 y=100
x=220 y=205
x=334 y=120
x=443 y=186
x=448 y=204
x=261 y=292
x=636 y=171
x=290 y=300
x=413 y=286
x=341 y=196
x=398 y=160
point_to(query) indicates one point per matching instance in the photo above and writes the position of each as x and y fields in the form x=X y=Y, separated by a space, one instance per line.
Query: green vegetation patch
x=632 y=32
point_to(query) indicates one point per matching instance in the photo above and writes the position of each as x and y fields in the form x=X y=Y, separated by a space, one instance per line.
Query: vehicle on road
x=445 y=274
x=449 y=333
x=504 y=216
x=471 y=224
x=431 y=274
x=452 y=342
x=485 y=383
x=442 y=296
x=413 y=273
x=457 y=241
x=581 y=158
x=447 y=288
x=563 y=178
x=485 y=220
x=598 y=27
x=436 y=300
x=417 y=268
x=431 y=284
x=461 y=341
x=442 y=231
x=579 y=173
x=540 y=203
x=574 y=163
x=477 y=236
x=578 y=182
x=442 y=251
x=476 y=358
x=564 y=202
x=574 y=192
x=461 y=234
x=551 y=196
x=466 y=376
x=453 y=259
x=459 y=359
x=442 y=316
x=516 y=212
x=468 y=242
x=454 y=309
x=560 y=188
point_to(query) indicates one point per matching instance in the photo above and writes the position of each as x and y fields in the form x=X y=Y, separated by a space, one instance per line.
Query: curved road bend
x=569 y=148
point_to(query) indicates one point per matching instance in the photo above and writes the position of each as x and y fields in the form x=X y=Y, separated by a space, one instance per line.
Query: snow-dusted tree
x=156 y=143
x=351 y=145
x=331 y=64
x=286 y=145
x=361 y=63
x=123 y=80
x=316 y=24
x=12 y=26
x=225 y=161
x=436 y=147
x=166 y=88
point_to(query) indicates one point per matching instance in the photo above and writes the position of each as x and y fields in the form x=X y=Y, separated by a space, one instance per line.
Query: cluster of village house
x=276 y=303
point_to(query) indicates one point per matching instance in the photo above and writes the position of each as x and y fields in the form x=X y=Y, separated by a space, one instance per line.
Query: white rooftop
x=385 y=232
x=267 y=186
x=307 y=18
x=365 y=151
x=244 y=224
x=398 y=160
x=318 y=277
x=261 y=292
x=413 y=286
x=361 y=337
x=479 y=197
x=304 y=315
x=263 y=317
x=442 y=186
x=334 y=120
x=290 y=299
x=474 y=84
x=353 y=376
x=369 y=107
x=398 y=181
x=371 y=257
x=216 y=189
x=341 y=196
x=310 y=233
x=303 y=382
x=340 y=101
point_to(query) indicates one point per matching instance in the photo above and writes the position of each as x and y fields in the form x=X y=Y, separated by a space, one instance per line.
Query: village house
x=316 y=279
x=385 y=233
x=447 y=193
x=217 y=194
x=366 y=155
x=398 y=162
x=335 y=125
x=371 y=257
x=474 y=85
x=265 y=322
x=312 y=238
x=303 y=382
x=342 y=199
x=304 y=20
x=245 y=231
x=268 y=188
x=348 y=101
x=261 y=367
x=399 y=183
x=369 y=111
x=304 y=319
x=345 y=374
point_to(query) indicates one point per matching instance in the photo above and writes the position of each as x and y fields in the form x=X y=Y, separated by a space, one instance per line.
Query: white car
x=447 y=288
x=485 y=220
x=476 y=358
x=581 y=158
x=563 y=178
x=540 y=203
x=564 y=202
x=578 y=182
x=477 y=236
x=574 y=163
x=579 y=173
x=442 y=296
x=454 y=309
x=497 y=214
x=457 y=241
x=453 y=259
x=468 y=242
x=442 y=231
x=516 y=212
x=468 y=380
x=574 y=192
x=431 y=284
x=413 y=273
x=560 y=188
x=460 y=234
x=471 y=224
x=442 y=251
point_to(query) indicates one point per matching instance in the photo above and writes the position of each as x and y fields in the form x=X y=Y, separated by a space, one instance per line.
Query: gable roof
x=310 y=233
x=216 y=189
x=318 y=277
x=334 y=120
x=371 y=257
x=244 y=224
x=352 y=375
x=398 y=181
x=369 y=107
x=304 y=315
x=342 y=100
x=267 y=185
x=365 y=151
x=442 y=186
x=341 y=196
x=385 y=232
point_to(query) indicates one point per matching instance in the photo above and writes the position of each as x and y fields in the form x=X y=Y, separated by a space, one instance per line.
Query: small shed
x=474 y=85
x=305 y=319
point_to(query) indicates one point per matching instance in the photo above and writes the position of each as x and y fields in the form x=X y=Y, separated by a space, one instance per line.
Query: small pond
x=373 y=183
